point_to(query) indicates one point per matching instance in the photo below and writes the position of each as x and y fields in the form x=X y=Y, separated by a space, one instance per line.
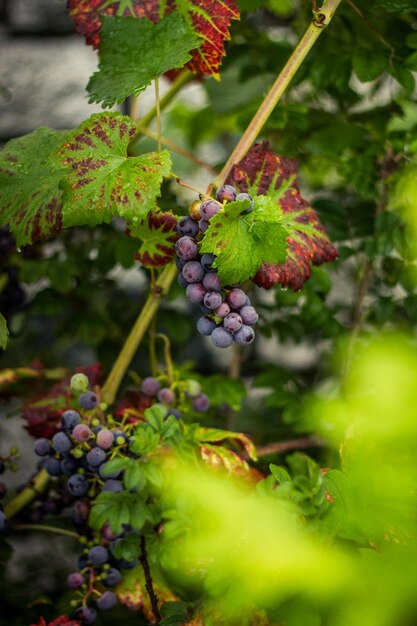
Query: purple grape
x=81 y=433
x=207 y=261
x=75 y=580
x=205 y=325
x=61 y=442
x=86 y=615
x=187 y=226
x=106 y=601
x=80 y=513
x=108 y=534
x=212 y=282
x=3 y=521
x=244 y=336
x=96 y=456
x=82 y=562
x=206 y=310
x=196 y=293
x=249 y=315
x=226 y=193
x=112 y=485
x=236 y=298
x=203 y=224
x=150 y=386
x=113 y=577
x=246 y=196
x=166 y=395
x=70 y=419
x=42 y=446
x=77 y=485
x=193 y=272
x=88 y=400
x=201 y=403
x=179 y=263
x=232 y=323
x=105 y=439
x=53 y=466
x=222 y=310
x=98 y=555
x=212 y=300
x=186 y=248
x=123 y=564
x=182 y=282
x=175 y=413
x=221 y=338
x=208 y=209
x=69 y=466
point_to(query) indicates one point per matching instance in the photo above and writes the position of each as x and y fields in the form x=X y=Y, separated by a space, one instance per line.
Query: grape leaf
x=104 y=181
x=30 y=198
x=266 y=173
x=209 y=19
x=158 y=232
x=242 y=242
x=4 y=333
x=216 y=435
x=135 y=52
x=404 y=6
x=132 y=591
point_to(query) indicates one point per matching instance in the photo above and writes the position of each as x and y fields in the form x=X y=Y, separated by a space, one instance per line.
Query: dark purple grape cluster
x=169 y=399
x=228 y=314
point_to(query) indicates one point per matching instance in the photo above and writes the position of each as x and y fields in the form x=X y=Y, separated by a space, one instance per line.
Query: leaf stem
x=288 y=72
x=149 y=583
x=158 y=114
x=49 y=529
x=36 y=486
x=137 y=333
x=167 y=356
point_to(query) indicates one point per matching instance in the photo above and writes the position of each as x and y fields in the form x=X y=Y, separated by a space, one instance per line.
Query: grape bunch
x=228 y=314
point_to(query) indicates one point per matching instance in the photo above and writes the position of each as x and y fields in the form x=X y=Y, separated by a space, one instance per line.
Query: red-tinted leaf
x=267 y=172
x=158 y=233
x=132 y=406
x=209 y=18
x=62 y=620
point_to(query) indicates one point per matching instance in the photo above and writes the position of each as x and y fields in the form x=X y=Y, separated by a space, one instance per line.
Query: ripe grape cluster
x=228 y=314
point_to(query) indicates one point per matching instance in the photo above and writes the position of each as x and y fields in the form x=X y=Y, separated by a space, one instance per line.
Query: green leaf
x=403 y=6
x=174 y=614
x=4 y=333
x=144 y=440
x=153 y=473
x=216 y=435
x=223 y=390
x=104 y=181
x=369 y=66
x=111 y=508
x=128 y=547
x=114 y=466
x=280 y=474
x=158 y=232
x=242 y=242
x=134 y=476
x=133 y=52
x=31 y=201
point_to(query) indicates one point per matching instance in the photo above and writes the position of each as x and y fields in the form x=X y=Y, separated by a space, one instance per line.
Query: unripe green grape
x=79 y=383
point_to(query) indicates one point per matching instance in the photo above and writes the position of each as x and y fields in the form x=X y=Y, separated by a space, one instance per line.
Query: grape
x=193 y=272
x=207 y=261
x=182 y=282
x=106 y=601
x=196 y=293
x=77 y=485
x=75 y=580
x=96 y=456
x=186 y=248
x=3 y=521
x=244 y=336
x=221 y=338
x=79 y=382
x=205 y=325
x=201 y=403
x=113 y=485
x=70 y=419
x=82 y=562
x=166 y=395
x=212 y=300
x=236 y=298
x=69 y=466
x=61 y=442
x=208 y=209
x=42 y=446
x=203 y=224
x=175 y=413
x=88 y=400
x=53 y=466
x=113 y=577
x=81 y=433
x=98 y=555
x=222 y=310
x=211 y=282
x=187 y=226
x=246 y=196
x=179 y=263
x=193 y=388
x=249 y=315
x=150 y=386
x=105 y=439
x=80 y=513
x=232 y=323
x=86 y=615
x=226 y=193
x=123 y=564
x=206 y=310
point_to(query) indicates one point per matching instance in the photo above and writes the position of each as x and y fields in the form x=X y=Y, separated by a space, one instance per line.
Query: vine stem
x=48 y=529
x=37 y=486
x=323 y=17
x=158 y=114
x=139 y=329
x=149 y=583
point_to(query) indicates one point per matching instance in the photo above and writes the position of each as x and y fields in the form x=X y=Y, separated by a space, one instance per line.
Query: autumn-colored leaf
x=62 y=620
x=132 y=405
x=158 y=234
x=209 y=19
x=263 y=172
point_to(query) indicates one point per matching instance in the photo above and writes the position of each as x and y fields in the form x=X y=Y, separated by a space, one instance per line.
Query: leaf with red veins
x=158 y=232
x=209 y=19
x=262 y=172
